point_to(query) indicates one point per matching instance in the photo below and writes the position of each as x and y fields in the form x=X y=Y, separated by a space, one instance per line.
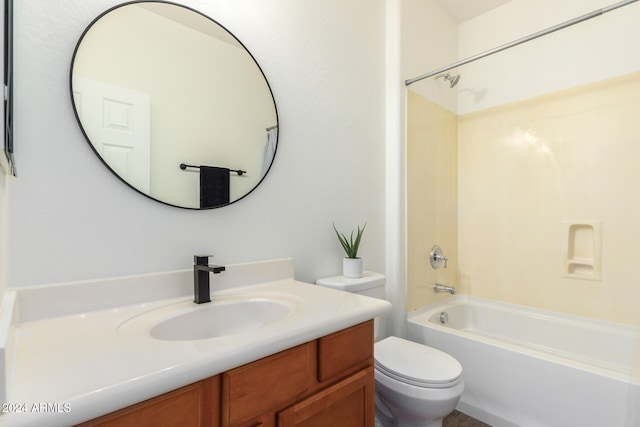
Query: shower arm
x=530 y=37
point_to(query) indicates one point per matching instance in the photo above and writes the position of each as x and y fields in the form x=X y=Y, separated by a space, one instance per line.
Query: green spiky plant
x=350 y=245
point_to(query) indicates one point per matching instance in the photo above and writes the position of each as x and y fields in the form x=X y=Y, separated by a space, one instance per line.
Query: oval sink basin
x=218 y=320
x=185 y=321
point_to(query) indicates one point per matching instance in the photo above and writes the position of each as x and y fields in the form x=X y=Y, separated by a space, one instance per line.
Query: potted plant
x=351 y=263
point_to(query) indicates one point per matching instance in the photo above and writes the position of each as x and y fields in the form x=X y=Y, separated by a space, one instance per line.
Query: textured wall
x=70 y=219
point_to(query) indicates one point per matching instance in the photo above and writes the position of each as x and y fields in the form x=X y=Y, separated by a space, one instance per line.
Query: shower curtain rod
x=522 y=40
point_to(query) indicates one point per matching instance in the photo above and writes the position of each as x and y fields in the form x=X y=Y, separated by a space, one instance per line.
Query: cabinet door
x=259 y=387
x=349 y=403
x=345 y=352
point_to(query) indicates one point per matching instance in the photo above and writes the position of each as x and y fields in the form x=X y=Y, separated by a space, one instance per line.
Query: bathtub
x=534 y=368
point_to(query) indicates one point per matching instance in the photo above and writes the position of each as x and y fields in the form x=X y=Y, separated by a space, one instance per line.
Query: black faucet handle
x=201 y=259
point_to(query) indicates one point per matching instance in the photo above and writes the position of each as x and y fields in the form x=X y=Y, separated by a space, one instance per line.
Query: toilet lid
x=416 y=364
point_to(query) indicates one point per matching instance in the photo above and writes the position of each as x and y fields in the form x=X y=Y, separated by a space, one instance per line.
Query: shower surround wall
x=536 y=75
x=525 y=171
x=432 y=205
x=527 y=167
x=589 y=52
x=430 y=133
x=499 y=189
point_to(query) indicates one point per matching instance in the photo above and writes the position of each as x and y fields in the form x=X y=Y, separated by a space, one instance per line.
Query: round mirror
x=173 y=104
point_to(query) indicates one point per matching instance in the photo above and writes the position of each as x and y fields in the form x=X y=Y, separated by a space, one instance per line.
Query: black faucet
x=201 y=270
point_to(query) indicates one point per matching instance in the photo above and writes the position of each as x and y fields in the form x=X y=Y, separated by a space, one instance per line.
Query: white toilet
x=416 y=385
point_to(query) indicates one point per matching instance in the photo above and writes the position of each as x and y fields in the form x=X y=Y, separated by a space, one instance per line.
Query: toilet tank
x=371 y=284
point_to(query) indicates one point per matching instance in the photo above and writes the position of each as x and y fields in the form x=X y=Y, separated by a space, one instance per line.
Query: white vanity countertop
x=80 y=366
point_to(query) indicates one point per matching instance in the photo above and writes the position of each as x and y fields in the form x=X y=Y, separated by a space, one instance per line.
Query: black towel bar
x=240 y=172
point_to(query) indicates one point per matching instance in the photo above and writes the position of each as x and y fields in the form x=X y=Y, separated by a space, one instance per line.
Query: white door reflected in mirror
x=117 y=122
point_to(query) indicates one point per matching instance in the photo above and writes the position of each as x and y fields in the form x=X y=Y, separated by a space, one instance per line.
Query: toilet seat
x=416 y=364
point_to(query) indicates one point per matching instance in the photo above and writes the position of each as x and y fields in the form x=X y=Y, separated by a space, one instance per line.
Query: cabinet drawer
x=254 y=388
x=345 y=351
x=191 y=406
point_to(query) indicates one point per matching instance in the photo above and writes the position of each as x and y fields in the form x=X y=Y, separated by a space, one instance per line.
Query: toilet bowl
x=416 y=385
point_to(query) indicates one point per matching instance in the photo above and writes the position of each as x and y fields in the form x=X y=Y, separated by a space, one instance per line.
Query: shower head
x=453 y=80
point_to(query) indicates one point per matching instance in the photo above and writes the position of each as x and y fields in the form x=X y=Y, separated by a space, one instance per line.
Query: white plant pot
x=352 y=267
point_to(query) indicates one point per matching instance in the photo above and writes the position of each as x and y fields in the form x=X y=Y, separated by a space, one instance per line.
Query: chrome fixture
x=444 y=317
x=201 y=270
x=437 y=256
x=438 y=288
x=453 y=80
x=530 y=37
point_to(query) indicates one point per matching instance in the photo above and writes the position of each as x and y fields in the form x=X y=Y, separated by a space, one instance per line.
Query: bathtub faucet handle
x=445 y=260
x=436 y=257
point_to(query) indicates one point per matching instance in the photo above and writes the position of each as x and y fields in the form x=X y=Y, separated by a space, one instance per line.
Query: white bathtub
x=533 y=368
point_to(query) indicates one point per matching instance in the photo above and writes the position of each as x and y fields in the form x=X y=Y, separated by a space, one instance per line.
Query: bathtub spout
x=437 y=288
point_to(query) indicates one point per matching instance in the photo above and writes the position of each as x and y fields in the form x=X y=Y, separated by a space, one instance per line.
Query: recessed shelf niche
x=582 y=250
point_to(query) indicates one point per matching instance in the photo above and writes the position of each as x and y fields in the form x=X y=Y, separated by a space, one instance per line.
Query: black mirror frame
x=8 y=86
x=75 y=51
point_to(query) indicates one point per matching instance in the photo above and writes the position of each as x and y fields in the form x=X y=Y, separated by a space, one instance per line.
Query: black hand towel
x=214 y=186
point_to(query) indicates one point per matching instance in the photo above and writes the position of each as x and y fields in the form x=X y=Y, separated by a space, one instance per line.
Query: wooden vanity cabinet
x=325 y=382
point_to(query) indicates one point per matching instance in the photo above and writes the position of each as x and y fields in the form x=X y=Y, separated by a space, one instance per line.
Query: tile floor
x=458 y=419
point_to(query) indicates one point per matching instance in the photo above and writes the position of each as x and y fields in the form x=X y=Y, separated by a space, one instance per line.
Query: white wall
x=420 y=36
x=71 y=219
x=429 y=41
x=3 y=232
x=593 y=50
